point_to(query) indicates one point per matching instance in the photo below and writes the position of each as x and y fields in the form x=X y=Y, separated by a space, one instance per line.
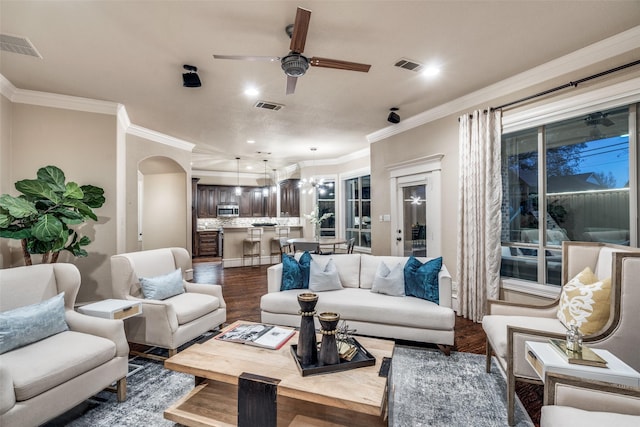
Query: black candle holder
x=329 y=347
x=307 y=349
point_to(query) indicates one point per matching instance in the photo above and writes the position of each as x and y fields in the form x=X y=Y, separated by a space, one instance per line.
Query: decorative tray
x=361 y=359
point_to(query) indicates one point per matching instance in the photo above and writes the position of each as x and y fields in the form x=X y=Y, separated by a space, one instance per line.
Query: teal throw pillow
x=162 y=287
x=421 y=280
x=295 y=274
x=31 y=323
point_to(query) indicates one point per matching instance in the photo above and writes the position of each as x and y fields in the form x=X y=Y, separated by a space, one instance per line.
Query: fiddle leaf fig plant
x=42 y=216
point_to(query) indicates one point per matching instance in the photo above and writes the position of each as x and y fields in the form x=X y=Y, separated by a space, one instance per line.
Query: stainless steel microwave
x=227 y=210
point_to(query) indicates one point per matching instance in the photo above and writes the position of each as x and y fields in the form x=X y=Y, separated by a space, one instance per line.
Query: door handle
x=399 y=238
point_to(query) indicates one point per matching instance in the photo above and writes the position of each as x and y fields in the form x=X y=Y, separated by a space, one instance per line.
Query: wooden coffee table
x=356 y=397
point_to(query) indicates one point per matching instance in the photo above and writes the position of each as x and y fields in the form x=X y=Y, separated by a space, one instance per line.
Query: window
x=567 y=180
x=326 y=196
x=358 y=210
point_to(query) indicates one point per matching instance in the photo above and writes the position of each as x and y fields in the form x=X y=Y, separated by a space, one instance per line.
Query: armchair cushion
x=421 y=280
x=496 y=328
x=32 y=323
x=164 y=286
x=389 y=281
x=585 y=302
x=564 y=416
x=295 y=273
x=53 y=361
x=189 y=306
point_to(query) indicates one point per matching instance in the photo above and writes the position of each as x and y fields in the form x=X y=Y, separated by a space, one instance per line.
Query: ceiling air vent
x=17 y=44
x=409 y=64
x=268 y=105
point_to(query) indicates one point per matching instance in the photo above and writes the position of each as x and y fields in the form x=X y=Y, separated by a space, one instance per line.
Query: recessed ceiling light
x=431 y=71
x=249 y=167
x=251 y=141
x=251 y=91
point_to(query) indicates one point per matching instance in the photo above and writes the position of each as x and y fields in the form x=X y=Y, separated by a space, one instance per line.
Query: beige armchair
x=43 y=379
x=577 y=402
x=174 y=321
x=509 y=325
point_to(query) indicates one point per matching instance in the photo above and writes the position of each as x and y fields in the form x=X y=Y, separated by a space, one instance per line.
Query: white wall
x=164 y=223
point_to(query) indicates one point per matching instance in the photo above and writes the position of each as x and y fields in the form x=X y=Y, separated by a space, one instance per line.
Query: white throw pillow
x=389 y=281
x=324 y=278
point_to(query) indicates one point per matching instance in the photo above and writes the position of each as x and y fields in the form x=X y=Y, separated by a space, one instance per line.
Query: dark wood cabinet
x=251 y=202
x=207 y=201
x=207 y=244
x=289 y=198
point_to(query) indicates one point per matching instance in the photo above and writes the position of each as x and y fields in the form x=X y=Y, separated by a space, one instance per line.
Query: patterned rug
x=427 y=389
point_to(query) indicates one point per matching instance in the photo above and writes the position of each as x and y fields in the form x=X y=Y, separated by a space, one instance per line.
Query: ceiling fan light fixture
x=294 y=64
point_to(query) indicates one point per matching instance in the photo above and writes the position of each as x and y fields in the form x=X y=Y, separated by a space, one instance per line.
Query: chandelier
x=312 y=185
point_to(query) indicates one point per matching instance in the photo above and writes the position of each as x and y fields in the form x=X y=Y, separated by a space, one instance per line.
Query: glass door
x=412 y=235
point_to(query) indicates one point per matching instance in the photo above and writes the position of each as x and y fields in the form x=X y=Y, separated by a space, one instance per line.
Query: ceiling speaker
x=393 y=117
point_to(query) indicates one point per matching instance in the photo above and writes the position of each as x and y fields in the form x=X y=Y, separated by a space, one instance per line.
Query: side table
x=544 y=358
x=112 y=309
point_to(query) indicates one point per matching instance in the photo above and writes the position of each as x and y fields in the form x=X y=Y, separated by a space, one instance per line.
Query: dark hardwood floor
x=242 y=288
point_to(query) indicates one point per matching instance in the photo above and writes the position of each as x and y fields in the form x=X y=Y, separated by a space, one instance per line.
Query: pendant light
x=238 y=188
x=265 y=189
x=274 y=184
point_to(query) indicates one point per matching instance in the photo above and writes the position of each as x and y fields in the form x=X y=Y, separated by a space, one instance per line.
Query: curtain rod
x=567 y=85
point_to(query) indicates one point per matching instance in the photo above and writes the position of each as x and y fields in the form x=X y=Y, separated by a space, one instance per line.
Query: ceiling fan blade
x=248 y=58
x=338 y=64
x=300 y=28
x=291 y=84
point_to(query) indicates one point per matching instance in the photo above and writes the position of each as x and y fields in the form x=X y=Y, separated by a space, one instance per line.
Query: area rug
x=428 y=388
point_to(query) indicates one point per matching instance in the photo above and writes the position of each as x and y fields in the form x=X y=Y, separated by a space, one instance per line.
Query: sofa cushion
x=295 y=272
x=191 y=306
x=585 y=302
x=389 y=281
x=25 y=325
x=421 y=280
x=163 y=286
x=52 y=361
x=365 y=306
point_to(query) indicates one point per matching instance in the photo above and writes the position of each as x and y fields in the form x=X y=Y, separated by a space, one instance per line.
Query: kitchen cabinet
x=207 y=201
x=207 y=244
x=227 y=195
x=289 y=198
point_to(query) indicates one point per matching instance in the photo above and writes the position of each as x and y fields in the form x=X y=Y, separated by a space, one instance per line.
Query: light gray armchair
x=170 y=322
x=576 y=402
x=508 y=325
x=45 y=378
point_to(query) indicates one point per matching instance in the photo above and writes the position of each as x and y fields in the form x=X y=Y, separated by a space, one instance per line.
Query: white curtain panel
x=479 y=218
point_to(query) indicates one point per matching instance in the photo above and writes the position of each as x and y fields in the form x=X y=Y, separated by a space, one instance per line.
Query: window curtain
x=479 y=207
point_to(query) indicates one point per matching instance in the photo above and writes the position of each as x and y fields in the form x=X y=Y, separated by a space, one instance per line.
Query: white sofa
x=370 y=313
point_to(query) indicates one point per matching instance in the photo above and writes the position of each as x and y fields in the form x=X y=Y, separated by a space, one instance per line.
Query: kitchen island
x=233 y=241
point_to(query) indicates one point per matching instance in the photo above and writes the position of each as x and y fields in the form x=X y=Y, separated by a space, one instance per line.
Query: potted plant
x=41 y=218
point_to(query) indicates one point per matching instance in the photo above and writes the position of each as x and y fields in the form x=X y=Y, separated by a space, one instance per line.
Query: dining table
x=321 y=242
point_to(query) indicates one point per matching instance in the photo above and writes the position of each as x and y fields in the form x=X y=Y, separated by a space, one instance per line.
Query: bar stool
x=279 y=243
x=252 y=245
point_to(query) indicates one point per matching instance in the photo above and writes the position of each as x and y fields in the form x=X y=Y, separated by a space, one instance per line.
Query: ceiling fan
x=294 y=64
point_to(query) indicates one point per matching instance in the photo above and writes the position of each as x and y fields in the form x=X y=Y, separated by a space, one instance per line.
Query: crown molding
x=223 y=174
x=7 y=89
x=161 y=138
x=596 y=52
x=365 y=152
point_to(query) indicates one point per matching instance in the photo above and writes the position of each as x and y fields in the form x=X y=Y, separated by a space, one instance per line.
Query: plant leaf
x=19 y=234
x=53 y=176
x=82 y=208
x=93 y=196
x=73 y=191
x=48 y=228
x=17 y=206
x=5 y=220
x=38 y=189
